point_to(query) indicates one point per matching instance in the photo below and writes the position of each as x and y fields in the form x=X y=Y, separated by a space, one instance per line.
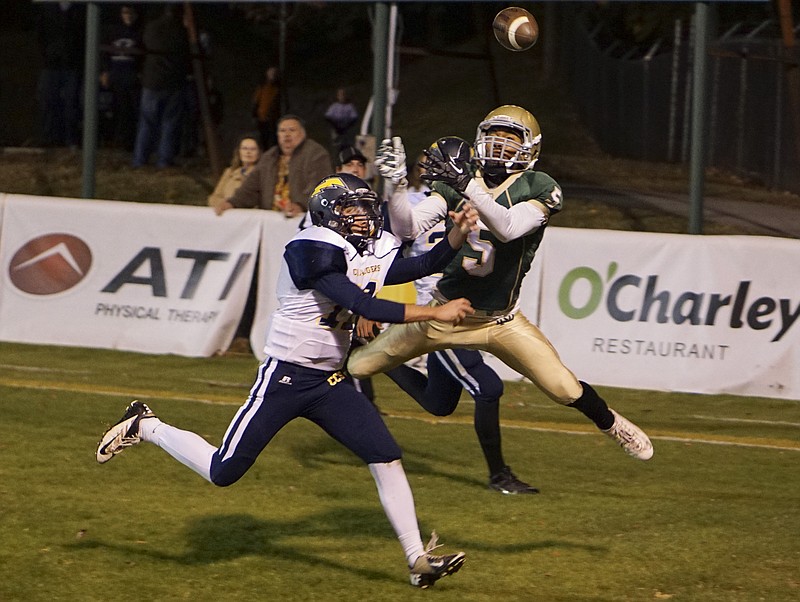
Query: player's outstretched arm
x=341 y=290
x=464 y=221
x=453 y=312
x=507 y=223
x=408 y=269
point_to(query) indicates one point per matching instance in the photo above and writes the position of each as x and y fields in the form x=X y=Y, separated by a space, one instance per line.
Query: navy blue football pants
x=450 y=371
x=284 y=391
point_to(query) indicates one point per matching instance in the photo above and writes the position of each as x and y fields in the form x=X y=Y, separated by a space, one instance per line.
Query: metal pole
x=391 y=65
x=687 y=98
x=90 y=87
x=379 y=41
x=673 y=92
x=284 y=91
x=776 y=157
x=699 y=110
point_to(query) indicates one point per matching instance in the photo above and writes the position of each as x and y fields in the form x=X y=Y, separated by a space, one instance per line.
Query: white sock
x=398 y=504
x=186 y=447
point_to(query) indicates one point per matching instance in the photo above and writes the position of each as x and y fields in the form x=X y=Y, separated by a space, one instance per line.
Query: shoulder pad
x=309 y=260
x=537 y=185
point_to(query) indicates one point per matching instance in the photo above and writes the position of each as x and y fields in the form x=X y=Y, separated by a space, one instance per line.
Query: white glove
x=390 y=160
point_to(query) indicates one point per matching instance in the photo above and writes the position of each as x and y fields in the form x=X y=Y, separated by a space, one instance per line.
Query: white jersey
x=310 y=329
x=422 y=244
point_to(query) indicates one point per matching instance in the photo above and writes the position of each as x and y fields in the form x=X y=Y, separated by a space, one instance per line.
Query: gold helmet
x=495 y=151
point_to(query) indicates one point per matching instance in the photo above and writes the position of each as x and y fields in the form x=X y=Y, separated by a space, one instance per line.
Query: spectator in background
x=342 y=117
x=60 y=29
x=286 y=175
x=267 y=107
x=121 y=65
x=245 y=156
x=166 y=66
x=283 y=180
x=351 y=160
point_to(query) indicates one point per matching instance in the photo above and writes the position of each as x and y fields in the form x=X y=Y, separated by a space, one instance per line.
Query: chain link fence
x=637 y=100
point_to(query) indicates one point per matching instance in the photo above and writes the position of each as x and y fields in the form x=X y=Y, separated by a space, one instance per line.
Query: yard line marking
x=723 y=442
x=93 y=390
x=544 y=427
x=221 y=383
x=41 y=369
x=749 y=421
x=589 y=429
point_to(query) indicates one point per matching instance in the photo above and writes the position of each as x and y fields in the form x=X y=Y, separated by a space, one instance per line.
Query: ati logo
x=50 y=264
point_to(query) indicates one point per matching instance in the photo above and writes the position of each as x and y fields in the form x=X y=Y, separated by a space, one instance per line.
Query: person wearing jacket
x=285 y=177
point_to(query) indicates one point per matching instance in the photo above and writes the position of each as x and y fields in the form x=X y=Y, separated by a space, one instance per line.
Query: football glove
x=390 y=160
x=448 y=160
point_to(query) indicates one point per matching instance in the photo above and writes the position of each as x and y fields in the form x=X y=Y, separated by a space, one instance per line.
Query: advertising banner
x=704 y=314
x=276 y=231
x=675 y=312
x=131 y=276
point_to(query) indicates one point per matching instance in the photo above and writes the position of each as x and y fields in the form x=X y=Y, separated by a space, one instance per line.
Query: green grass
x=701 y=521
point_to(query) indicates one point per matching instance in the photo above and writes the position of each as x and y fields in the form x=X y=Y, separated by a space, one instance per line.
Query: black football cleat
x=506 y=482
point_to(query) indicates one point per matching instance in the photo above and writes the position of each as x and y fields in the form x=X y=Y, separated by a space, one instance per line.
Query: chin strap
x=495 y=175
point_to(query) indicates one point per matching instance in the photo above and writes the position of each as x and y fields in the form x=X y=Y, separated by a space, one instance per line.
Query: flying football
x=515 y=29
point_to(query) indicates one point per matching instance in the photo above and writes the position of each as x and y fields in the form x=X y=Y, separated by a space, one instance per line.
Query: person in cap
x=351 y=160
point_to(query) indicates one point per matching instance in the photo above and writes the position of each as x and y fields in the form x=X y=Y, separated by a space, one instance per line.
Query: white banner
x=675 y=312
x=705 y=314
x=139 y=277
x=276 y=231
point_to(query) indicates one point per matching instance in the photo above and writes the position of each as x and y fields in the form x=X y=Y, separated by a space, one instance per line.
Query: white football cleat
x=429 y=568
x=630 y=437
x=124 y=433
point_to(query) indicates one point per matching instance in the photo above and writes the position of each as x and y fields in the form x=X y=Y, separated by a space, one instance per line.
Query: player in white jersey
x=330 y=272
x=448 y=371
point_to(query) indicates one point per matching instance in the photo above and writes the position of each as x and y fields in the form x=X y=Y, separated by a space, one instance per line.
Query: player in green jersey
x=515 y=203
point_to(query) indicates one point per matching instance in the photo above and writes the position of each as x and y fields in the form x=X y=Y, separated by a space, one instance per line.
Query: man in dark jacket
x=166 y=66
x=122 y=60
x=286 y=175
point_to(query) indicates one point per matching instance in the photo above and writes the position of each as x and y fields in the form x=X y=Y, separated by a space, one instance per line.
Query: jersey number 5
x=479 y=260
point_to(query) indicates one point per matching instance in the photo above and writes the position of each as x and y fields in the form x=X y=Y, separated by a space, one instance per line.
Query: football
x=515 y=29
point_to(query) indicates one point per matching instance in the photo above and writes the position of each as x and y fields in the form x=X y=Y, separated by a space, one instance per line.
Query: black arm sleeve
x=339 y=289
x=322 y=266
x=408 y=269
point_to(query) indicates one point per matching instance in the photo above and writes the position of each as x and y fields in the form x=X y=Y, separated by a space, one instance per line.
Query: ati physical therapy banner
x=708 y=314
x=139 y=277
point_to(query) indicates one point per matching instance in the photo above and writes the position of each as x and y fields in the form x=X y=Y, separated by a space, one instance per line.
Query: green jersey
x=487 y=271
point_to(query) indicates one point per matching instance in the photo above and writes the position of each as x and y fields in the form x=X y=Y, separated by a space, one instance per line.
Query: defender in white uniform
x=330 y=273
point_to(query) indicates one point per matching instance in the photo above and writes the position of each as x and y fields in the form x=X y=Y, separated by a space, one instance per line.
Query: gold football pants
x=515 y=342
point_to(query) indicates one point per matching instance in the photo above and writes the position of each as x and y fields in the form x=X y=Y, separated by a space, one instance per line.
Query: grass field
x=714 y=516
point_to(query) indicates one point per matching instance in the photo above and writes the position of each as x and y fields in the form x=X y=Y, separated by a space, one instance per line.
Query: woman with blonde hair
x=245 y=156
